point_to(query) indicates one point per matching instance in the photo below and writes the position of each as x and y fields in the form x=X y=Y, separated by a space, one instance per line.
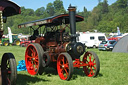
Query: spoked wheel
x=45 y=59
x=65 y=66
x=8 y=69
x=33 y=57
x=93 y=67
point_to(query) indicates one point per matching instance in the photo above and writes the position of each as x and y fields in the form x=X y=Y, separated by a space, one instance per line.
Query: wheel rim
x=89 y=59
x=5 y=44
x=31 y=60
x=17 y=42
x=0 y=41
x=64 y=67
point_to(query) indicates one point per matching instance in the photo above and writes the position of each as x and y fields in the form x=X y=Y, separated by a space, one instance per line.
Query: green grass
x=113 y=70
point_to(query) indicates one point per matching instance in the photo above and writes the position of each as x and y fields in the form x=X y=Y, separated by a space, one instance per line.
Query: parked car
x=110 y=47
x=106 y=45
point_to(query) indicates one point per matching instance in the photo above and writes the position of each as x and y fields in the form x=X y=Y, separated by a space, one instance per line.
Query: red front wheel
x=33 y=57
x=65 y=66
x=93 y=67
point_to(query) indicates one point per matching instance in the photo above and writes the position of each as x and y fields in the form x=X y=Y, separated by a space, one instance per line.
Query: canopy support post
x=1 y=21
x=1 y=24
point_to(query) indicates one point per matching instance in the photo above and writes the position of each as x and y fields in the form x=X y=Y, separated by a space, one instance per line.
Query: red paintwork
x=87 y=64
x=54 y=48
x=77 y=63
x=90 y=69
x=31 y=60
x=63 y=67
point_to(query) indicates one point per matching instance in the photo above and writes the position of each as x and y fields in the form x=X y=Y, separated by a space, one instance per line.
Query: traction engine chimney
x=72 y=13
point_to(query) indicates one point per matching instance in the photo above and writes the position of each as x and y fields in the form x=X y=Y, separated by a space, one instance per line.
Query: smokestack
x=72 y=13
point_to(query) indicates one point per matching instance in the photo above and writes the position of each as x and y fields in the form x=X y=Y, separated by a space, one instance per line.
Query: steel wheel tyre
x=8 y=69
x=45 y=59
x=33 y=56
x=65 y=66
x=93 y=62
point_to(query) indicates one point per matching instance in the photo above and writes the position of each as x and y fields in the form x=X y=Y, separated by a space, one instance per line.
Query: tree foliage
x=50 y=9
x=103 y=17
x=40 y=11
x=58 y=6
x=122 y=3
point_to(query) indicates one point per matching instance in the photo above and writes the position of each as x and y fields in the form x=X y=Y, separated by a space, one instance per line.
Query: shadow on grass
x=50 y=71
x=23 y=79
x=79 y=71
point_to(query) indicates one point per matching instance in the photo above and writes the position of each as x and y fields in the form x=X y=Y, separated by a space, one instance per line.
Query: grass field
x=113 y=70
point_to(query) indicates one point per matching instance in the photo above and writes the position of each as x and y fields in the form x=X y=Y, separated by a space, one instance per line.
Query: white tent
x=122 y=45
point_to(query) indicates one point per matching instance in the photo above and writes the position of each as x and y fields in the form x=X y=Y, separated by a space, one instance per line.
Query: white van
x=91 y=39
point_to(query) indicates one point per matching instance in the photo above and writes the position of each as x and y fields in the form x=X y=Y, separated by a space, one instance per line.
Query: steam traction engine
x=58 y=48
x=8 y=70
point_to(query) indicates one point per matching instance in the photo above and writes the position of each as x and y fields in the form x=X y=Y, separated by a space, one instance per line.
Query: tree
x=103 y=17
x=27 y=12
x=122 y=3
x=99 y=1
x=94 y=18
x=105 y=6
x=85 y=14
x=40 y=11
x=50 y=9
x=58 y=6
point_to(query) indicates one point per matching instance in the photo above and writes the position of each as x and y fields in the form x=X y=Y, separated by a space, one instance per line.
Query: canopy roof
x=51 y=21
x=9 y=8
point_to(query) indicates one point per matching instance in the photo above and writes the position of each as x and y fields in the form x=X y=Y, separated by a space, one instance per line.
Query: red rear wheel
x=33 y=57
x=65 y=66
x=93 y=67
